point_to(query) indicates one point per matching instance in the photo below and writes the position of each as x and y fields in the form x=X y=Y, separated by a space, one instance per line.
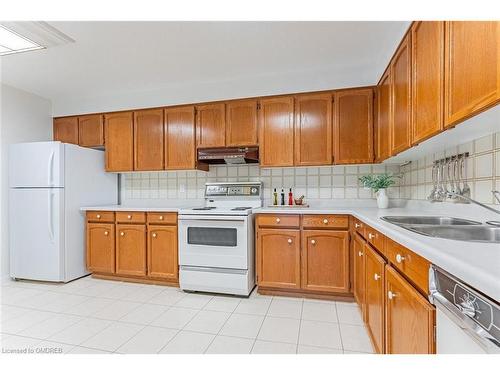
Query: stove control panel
x=246 y=189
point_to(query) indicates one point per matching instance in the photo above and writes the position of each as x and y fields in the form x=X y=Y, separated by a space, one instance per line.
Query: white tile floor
x=98 y=316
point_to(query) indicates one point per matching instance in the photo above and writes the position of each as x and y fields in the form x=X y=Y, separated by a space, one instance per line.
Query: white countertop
x=128 y=207
x=477 y=264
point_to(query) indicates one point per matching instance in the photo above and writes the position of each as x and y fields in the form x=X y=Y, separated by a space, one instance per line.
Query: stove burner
x=203 y=208
x=240 y=208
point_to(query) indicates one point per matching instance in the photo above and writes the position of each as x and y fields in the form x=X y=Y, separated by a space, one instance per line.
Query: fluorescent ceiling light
x=12 y=42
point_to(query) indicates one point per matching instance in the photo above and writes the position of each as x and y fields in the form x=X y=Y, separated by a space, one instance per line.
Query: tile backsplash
x=483 y=170
x=330 y=182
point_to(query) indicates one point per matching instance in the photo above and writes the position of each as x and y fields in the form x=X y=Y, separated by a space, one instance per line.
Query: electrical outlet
x=182 y=188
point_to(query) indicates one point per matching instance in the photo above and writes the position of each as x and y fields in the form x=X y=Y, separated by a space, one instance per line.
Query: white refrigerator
x=49 y=182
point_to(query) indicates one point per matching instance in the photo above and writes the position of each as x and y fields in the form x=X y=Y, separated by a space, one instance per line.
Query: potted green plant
x=379 y=183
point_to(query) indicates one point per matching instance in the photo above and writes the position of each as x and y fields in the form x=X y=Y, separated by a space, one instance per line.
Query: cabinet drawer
x=101 y=216
x=162 y=218
x=130 y=217
x=375 y=238
x=359 y=227
x=278 y=221
x=325 y=221
x=413 y=266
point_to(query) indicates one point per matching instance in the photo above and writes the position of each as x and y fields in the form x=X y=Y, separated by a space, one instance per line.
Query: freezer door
x=36 y=164
x=36 y=234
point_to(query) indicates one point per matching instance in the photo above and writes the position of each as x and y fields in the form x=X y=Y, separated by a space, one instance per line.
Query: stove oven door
x=213 y=241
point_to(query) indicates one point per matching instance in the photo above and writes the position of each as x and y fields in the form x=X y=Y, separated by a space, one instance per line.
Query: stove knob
x=253 y=190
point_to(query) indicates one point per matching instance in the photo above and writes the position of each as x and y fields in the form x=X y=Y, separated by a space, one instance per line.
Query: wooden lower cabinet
x=278 y=258
x=410 y=318
x=374 y=297
x=101 y=247
x=359 y=270
x=325 y=260
x=162 y=251
x=131 y=249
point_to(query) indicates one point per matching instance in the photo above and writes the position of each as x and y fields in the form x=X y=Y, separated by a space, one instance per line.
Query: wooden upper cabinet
x=211 y=125
x=401 y=98
x=101 y=247
x=472 y=68
x=427 y=55
x=278 y=258
x=180 y=147
x=241 y=123
x=384 y=118
x=66 y=129
x=353 y=126
x=313 y=129
x=325 y=261
x=91 y=130
x=131 y=249
x=410 y=318
x=119 y=135
x=162 y=251
x=276 y=135
x=148 y=140
x=374 y=300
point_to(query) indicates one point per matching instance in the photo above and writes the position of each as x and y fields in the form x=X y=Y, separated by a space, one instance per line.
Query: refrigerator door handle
x=50 y=221
x=51 y=169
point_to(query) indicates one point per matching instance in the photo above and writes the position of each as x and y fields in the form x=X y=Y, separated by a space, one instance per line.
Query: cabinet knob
x=313 y=242
x=154 y=235
x=360 y=253
x=122 y=234
x=325 y=221
x=278 y=219
x=98 y=216
x=376 y=277
x=290 y=240
x=399 y=258
x=357 y=225
x=391 y=295
x=161 y=217
x=129 y=216
x=371 y=236
x=106 y=232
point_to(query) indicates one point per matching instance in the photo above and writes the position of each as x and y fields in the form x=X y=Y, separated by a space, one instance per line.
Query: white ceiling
x=118 y=65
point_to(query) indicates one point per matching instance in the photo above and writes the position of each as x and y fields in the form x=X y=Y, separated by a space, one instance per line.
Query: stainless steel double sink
x=447 y=227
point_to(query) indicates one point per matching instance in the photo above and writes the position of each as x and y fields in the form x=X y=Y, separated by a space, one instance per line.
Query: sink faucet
x=496 y=194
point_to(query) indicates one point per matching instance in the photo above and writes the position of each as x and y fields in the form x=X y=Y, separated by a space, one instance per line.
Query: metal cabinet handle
x=122 y=234
x=278 y=219
x=161 y=217
x=399 y=258
x=376 y=277
x=313 y=242
x=371 y=236
x=357 y=225
x=98 y=216
x=360 y=253
x=391 y=295
x=106 y=232
x=290 y=240
x=129 y=216
x=325 y=221
x=154 y=235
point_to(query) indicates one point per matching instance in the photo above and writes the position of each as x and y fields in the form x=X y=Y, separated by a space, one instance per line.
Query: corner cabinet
x=119 y=135
x=276 y=132
x=65 y=129
x=353 y=126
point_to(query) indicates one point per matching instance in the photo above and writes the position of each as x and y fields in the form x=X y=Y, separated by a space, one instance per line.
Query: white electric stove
x=216 y=241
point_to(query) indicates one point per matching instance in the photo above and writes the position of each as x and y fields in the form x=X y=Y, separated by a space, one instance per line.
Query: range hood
x=228 y=155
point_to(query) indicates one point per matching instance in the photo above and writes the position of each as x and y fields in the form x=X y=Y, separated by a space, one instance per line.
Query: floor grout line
x=300 y=325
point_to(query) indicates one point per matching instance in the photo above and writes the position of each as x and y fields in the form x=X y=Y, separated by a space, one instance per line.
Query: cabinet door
x=276 y=132
x=91 y=130
x=353 y=126
x=211 y=125
x=472 y=68
x=374 y=297
x=101 y=247
x=359 y=271
x=148 y=140
x=241 y=123
x=410 y=318
x=313 y=129
x=325 y=260
x=278 y=258
x=180 y=147
x=384 y=117
x=401 y=98
x=119 y=135
x=131 y=249
x=66 y=130
x=162 y=251
x=427 y=55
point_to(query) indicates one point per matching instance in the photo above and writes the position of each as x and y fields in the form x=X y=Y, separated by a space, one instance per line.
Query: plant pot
x=382 y=198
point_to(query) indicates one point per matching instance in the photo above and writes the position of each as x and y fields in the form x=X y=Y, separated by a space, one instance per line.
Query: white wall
x=24 y=117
